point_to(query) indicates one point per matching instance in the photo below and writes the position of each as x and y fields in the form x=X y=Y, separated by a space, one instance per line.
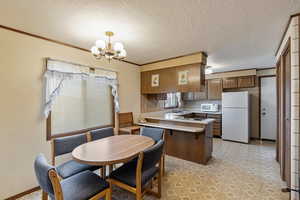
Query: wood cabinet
x=165 y=83
x=239 y=82
x=217 y=124
x=230 y=83
x=193 y=76
x=169 y=79
x=246 y=81
x=214 y=89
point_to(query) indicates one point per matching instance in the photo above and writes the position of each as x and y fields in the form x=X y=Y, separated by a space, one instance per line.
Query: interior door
x=284 y=114
x=268 y=108
x=287 y=116
x=278 y=110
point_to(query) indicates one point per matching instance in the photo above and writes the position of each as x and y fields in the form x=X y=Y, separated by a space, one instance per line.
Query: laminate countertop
x=173 y=127
x=178 y=118
x=189 y=111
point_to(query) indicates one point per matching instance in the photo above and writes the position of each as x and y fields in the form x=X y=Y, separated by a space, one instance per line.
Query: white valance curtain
x=58 y=71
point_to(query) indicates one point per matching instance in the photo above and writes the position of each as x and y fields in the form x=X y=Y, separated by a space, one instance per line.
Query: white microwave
x=209 y=107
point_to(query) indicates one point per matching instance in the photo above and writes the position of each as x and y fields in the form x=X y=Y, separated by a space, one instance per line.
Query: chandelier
x=107 y=50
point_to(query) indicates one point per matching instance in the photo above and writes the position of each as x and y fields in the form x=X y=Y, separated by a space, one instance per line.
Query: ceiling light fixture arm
x=108 y=50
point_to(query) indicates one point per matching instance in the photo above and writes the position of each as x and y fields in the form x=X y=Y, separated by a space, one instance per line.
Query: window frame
x=171 y=107
x=49 y=135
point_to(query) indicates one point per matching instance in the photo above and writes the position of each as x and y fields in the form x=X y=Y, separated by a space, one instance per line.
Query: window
x=81 y=106
x=171 y=101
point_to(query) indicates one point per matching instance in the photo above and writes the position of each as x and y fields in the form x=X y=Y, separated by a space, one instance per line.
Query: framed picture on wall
x=155 y=80
x=183 y=78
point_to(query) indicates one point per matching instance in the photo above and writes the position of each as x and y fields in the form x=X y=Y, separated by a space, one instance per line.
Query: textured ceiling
x=235 y=33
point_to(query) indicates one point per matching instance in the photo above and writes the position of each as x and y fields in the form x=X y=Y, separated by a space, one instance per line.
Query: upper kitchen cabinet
x=246 y=81
x=230 y=83
x=239 y=82
x=214 y=89
x=190 y=78
x=180 y=74
x=158 y=81
x=187 y=78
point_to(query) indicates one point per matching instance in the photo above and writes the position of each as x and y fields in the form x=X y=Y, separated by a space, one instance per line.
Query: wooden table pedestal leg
x=110 y=168
x=103 y=172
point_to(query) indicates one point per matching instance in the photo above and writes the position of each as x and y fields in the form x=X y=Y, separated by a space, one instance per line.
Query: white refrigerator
x=235 y=116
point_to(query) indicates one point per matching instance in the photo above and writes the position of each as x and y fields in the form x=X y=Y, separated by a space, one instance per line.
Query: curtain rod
x=81 y=65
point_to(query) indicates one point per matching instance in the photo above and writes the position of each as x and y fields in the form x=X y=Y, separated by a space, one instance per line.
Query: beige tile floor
x=236 y=172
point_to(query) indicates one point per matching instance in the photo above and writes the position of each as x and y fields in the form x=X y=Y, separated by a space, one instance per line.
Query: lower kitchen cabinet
x=217 y=128
x=217 y=124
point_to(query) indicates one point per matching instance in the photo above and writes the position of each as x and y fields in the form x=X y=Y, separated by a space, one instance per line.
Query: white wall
x=22 y=128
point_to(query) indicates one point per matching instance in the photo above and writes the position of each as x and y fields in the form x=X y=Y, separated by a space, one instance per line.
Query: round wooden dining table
x=111 y=150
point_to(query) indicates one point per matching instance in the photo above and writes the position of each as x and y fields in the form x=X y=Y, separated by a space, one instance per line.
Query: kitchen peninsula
x=187 y=136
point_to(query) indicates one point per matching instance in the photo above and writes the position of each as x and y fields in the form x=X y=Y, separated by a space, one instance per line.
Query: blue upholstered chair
x=64 y=145
x=101 y=133
x=82 y=186
x=137 y=175
x=155 y=133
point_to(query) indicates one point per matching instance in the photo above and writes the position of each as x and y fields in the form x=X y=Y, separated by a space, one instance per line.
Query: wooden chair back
x=47 y=178
x=125 y=119
x=58 y=194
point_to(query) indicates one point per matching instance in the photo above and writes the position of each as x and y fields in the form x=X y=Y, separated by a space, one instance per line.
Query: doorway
x=284 y=114
x=268 y=108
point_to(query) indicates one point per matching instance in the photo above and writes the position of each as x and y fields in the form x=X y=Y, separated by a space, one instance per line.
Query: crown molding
x=54 y=41
x=87 y=50
x=170 y=58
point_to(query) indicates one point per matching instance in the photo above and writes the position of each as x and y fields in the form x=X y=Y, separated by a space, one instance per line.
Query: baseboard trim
x=23 y=193
x=260 y=139
x=268 y=140
x=254 y=138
